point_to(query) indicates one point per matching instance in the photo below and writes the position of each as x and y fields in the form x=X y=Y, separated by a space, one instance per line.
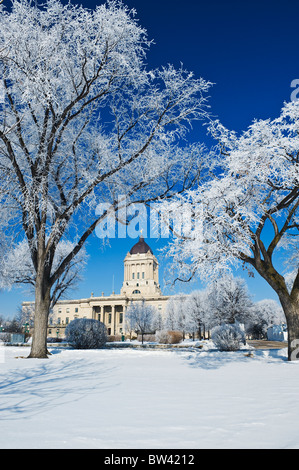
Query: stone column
x=103 y=314
x=113 y=319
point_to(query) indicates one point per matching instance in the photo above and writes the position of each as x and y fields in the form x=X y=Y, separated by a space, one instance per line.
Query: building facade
x=141 y=282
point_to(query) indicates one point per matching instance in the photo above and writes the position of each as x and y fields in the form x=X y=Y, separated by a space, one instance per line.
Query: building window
x=137 y=275
x=133 y=276
x=136 y=291
x=142 y=275
x=109 y=318
x=99 y=316
x=67 y=310
x=109 y=331
x=120 y=317
x=76 y=310
x=67 y=320
x=58 y=320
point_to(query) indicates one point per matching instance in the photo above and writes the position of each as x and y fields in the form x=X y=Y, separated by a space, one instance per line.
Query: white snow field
x=148 y=399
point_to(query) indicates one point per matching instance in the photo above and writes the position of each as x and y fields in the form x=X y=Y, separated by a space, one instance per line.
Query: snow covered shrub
x=168 y=337
x=228 y=337
x=162 y=337
x=4 y=337
x=84 y=333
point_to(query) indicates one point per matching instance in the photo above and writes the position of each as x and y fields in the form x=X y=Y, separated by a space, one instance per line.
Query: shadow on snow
x=29 y=391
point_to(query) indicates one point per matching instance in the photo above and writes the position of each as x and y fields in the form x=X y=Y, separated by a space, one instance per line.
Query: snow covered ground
x=150 y=399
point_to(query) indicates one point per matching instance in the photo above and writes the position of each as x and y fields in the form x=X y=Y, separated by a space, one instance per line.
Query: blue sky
x=249 y=50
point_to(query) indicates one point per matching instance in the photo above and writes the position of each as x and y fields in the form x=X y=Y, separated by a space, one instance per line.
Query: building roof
x=140 y=247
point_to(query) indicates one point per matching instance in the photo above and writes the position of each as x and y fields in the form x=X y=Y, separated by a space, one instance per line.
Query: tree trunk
x=42 y=308
x=291 y=310
x=199 y=332
x=289 y=303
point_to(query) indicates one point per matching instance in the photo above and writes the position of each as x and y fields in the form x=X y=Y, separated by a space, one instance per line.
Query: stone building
x=141 y=282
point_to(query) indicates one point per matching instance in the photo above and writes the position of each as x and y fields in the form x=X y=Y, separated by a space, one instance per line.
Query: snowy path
x=149 y=399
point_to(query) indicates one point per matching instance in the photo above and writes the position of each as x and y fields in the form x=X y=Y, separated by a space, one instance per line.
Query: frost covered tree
x=199 y=312
x=158 y=321
x=265 y=313
x=140 y=317
x=83 y=120
x=177 y=314
x=17 y=269
x=249 y=210
x=229 y=300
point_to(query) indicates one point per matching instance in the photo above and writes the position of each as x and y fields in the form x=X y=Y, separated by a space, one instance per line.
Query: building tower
x=141 y=272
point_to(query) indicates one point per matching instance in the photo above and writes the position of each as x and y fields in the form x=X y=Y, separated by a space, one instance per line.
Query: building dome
x=140 y=247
